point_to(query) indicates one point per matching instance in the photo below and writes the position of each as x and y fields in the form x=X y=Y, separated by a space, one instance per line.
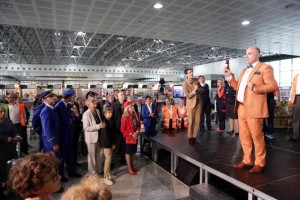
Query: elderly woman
x=35 y=177
x=8 y=139
x=130 y=127
x=92 y=123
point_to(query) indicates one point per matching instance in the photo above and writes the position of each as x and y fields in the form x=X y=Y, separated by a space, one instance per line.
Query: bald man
x=255 y=81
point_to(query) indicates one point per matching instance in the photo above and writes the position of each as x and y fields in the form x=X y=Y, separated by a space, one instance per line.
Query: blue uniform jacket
x=36 y=120
x=149 y=122
x=65 y=121
x=50 y=128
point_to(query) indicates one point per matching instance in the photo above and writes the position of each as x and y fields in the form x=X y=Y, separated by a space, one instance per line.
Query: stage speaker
x=187 y=172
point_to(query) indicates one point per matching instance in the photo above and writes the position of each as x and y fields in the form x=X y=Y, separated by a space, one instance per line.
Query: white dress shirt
x=243 y=84
x=14 y=113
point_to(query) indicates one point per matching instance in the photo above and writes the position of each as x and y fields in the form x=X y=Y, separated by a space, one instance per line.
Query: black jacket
x=204 y=92
x=108 y=137
x=118 y=110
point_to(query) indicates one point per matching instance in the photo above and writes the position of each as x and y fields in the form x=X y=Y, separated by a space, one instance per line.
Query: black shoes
x=193 y=141
x=230 y=132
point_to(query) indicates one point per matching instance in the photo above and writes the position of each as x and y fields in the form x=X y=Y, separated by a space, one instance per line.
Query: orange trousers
x=250 y=130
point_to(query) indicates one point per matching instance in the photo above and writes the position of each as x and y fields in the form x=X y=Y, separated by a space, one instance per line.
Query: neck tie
x=249 y=66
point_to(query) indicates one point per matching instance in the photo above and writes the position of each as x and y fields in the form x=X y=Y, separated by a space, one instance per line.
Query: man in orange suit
x=193 y=105
x=252 y=87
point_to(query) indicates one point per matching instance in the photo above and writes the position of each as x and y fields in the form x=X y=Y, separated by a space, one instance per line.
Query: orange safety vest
x=167 y=116
x=180 y=117
x=22 y=114
x=293 y=90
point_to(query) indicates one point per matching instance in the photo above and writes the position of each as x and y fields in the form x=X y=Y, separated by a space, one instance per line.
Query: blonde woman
x=221 y=105
x=89 y=188
x=130 y=127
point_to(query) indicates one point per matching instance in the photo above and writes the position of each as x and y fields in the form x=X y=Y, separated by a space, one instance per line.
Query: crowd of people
x=110 y=131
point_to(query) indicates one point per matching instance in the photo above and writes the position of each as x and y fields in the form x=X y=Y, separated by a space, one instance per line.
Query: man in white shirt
x=17 y=115
x=252 y=87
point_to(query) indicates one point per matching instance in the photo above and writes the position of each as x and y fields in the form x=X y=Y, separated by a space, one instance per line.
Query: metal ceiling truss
x=25 y=45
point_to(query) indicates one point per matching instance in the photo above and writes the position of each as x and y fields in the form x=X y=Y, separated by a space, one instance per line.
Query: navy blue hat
x=68 y=92
x=47 y=94
x=147 y=97
x=90 y=93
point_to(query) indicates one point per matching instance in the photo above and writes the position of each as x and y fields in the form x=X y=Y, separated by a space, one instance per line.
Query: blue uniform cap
x=68 y=92
x=90 y=93
x=47 y=94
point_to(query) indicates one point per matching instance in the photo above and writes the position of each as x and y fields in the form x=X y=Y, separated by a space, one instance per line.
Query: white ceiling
x=196 y=25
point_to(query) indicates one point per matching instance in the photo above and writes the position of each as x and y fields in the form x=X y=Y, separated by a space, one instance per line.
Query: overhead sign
x=75 y=86
x=10 y=86
x=31 y=86
x=57 y=86
x=23 y=86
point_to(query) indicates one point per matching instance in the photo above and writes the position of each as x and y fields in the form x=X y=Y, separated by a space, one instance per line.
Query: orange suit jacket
x=255 y=103
x=191 y=99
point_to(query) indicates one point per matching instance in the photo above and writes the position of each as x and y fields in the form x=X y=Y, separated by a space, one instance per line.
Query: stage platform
x=216 y=154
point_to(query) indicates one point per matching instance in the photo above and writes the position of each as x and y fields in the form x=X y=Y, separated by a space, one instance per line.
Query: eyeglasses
x=53 y=177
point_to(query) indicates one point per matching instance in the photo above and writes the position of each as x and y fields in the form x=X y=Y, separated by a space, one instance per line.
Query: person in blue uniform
x=149 y=114
x=50 y=127
x=37 y=124
x=63 y=110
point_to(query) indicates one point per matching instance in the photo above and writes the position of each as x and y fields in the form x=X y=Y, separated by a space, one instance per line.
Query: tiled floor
x=151 y=182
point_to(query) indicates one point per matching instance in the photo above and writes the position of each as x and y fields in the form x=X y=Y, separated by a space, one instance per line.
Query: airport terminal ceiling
x=77 y=35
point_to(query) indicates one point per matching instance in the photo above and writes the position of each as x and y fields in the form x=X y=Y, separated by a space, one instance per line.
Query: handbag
x=130 y=140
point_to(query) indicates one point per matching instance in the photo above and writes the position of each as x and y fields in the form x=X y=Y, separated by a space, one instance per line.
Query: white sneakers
x=108 y=181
